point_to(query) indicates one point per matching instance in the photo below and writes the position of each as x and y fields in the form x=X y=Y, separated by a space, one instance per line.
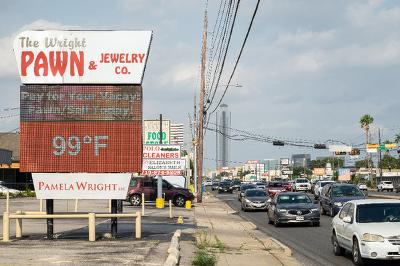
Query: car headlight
x=247 y=201
x=339 y=204
x=372 y=238
x=281 y=210
x=314 y=210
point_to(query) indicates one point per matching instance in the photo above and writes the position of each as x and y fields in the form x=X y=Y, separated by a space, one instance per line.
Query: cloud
x=301 y=38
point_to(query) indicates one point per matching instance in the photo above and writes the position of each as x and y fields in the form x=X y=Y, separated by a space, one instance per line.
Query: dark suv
x=148 y=186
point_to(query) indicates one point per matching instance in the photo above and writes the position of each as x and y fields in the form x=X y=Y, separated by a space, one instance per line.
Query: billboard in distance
x=151 y=132
x=344 y=174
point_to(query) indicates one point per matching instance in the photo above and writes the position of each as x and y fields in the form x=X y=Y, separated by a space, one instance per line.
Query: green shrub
x=204 y=258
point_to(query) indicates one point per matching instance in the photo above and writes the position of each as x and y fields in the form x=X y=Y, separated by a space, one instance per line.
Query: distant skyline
x=310 y=69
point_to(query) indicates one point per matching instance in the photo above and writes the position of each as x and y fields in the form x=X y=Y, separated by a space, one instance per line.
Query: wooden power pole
x=200 y=131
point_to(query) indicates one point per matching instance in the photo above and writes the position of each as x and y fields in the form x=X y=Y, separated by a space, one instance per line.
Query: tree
x=397 y=138
x=365 y=121
x=363 y=164
x=389 y=162
x=334 y=161
x=298 y=170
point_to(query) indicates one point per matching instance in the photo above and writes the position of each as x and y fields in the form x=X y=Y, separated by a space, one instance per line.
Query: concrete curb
x=286 y=249
x=174 y=250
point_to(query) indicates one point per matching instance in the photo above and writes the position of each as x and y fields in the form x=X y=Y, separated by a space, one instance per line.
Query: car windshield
x=255 y=193
x=273 y=184
x=387 y=182
x=378 y=213
x=225 y=183
x=245 y=187
x=293 y=199
x=346 y=191
x=324 y=183
x=301 y=180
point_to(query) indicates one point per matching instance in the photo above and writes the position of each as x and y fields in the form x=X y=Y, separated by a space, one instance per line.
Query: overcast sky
x=310 y=69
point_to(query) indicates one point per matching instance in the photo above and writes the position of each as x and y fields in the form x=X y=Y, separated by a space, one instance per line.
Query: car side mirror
x=347 y=219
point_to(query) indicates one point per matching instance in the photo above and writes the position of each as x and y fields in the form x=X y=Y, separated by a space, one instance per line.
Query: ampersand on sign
x=92 y=65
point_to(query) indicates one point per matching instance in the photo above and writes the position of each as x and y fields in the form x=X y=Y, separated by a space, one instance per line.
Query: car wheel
x=269 y=219
x=316 y=224
x=323 y=212
x=135 y=200
x=357 y=259
x=276 y=223
x=179 y=201
x=331 y=212
x=337 y=249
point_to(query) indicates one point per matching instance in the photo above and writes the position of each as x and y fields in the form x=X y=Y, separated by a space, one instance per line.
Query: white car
x=319 y=185
x=362 y=187
x=4 y=190
x=208 y=183
x=385 y=185
x=301 y=184
x=369 y=228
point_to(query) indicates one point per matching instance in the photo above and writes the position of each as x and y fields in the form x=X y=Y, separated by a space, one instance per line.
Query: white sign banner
x=373 y=150
x=161 y=151
x=151 y=131
x=340 y=148
x=81 y=185
x=82 y=57
x=153 y=164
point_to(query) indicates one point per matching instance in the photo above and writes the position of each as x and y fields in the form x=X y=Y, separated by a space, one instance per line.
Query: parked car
x=243 y=189
x=318 y=187
x=333 y=196
x=370 y=229
x=385 y=185
x=254 y=199
x=301 y=184
x=397 y=189
x=225 y=186
x=215 y=185
x=4 y=189
x=293 y=207
x=236 y=184
x=261 y=185
x=208 y=182
x=275 y=187
x=148 y=186
x=362 y=187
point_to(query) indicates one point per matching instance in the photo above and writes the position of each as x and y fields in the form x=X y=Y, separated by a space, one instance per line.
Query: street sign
x=372 y=146
x=82 y=57
x=372 y=150
x=161 y=152
x=81 y=185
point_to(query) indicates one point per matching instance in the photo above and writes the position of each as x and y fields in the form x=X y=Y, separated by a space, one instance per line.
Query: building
x=223 y=119
x=301 y=160
x=176 y=134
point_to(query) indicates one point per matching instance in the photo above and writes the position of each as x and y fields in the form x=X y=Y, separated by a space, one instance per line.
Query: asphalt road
x=310 y=245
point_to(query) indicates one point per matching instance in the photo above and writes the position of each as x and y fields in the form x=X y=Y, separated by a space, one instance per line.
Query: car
x=318 y=187
x=261 y=185
x=255 y=199
x=215 y=185
x=397 y=189
x=236 y=184
x=4 y=189
x=148 y=186
x=243 y=189
x=275 y=187
x=293 y=207
x=287 y=185
x=333 y=196
x=385 y=185
x=208 y=182
x=369 y=228
x=301 y=184
x=362 y=187
x=225 y=186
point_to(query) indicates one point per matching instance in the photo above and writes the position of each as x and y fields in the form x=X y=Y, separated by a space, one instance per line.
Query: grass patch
x=202 y=257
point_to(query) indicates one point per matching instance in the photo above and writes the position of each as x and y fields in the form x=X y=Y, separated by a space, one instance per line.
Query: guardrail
x=19 y=216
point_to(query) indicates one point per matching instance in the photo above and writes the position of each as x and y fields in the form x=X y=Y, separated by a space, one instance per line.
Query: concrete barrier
x=174 y=250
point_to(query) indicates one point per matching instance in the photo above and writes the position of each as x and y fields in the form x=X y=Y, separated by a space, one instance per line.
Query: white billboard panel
x=82 y=57
x=151 y=131
x=81 y=185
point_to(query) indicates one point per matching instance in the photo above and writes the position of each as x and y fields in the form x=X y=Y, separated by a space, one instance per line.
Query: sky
x=310 y=68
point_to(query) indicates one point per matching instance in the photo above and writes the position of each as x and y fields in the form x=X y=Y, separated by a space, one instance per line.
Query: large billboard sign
x=81 y=185
x=95 y=129
x=82 y=57
x=151 y=132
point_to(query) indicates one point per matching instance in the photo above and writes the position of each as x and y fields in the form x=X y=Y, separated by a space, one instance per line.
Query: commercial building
x=301 y=160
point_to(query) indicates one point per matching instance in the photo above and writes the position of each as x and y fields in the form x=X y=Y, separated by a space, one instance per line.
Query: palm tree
x=365 y=121
x=397 y=138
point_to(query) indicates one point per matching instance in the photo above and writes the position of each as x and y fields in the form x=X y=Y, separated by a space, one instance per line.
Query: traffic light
x=355 y=152
x=319 y=146
x=340 y=153
x=278 y=143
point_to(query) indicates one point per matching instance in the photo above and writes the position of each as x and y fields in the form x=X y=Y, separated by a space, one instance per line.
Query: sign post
x=160 y=200
x=50 y=223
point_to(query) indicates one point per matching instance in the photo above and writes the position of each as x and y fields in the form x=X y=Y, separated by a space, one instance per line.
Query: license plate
x=299 y=218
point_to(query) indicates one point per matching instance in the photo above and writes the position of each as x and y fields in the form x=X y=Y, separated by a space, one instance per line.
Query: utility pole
x=380 y=153
x=195 y=147
x=200 y=132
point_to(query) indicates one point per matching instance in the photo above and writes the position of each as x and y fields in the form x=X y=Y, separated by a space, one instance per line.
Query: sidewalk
x=236 y=241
